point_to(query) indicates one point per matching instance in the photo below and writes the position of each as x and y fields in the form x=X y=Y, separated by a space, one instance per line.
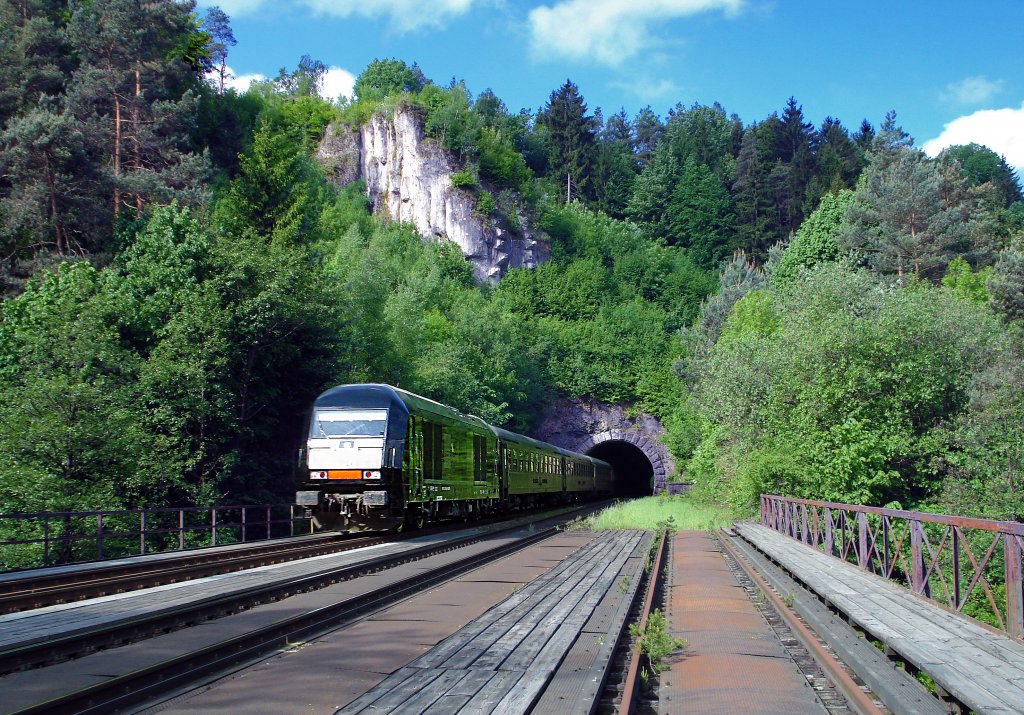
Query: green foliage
x=500 y=164
x=816 y=241
x=175 y=375
x=485 y=205
x=655 y=641
x=846 y=393
x=386 y=77
x=462 y=180
x=753 y=314
x=275 y=192
x=980 y=165
x=1006 y=284
x=68 y=438
x=908 y=217
x=572 y=139
x=965 y=283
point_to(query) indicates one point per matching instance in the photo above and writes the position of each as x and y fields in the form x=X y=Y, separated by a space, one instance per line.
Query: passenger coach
x=378 y=457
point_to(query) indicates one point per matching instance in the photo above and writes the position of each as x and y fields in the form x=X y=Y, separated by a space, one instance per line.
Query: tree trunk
x=136 y=152
x=58 y=232
x=117 y=154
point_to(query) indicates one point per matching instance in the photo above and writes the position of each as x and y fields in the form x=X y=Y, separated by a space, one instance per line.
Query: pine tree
x=701 y=215
x=573 y=140
x=865 y=135
x=40 y=157
x=49 y=205
x=753 y=193
x=616 y=167
x=704 y=134
x=909 y=217
x=1006 y=284
x=218 y=25
x=646 y=205
x=839 y=163
x=797 y=146
x=647 y=131
x=131 y=95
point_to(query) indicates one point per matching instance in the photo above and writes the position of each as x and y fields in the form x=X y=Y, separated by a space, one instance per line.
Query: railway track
x=226 y=650
x=38 y=588
x=47 y=587
x=862 y=673
x=147 y=681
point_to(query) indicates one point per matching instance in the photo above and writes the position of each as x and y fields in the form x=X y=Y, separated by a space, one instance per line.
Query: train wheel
x=415 y=518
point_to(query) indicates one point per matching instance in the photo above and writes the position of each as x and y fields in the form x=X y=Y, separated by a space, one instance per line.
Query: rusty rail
x=942 y=557
x=859 y=701
x=629 y=687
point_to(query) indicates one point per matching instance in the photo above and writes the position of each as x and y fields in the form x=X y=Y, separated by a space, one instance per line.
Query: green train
x=378 y=457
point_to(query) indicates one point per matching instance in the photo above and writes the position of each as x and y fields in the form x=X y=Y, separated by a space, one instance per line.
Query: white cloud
x=648 y=89
x=971 y=90
x=609 y=31
x=338 y=82
x=1001 y=130
x=403 y=15
x=238 y=83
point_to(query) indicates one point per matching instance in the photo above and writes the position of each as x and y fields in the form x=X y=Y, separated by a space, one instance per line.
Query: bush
x=462 y=180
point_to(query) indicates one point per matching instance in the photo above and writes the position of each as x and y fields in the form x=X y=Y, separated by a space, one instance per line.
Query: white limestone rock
x=408 y=179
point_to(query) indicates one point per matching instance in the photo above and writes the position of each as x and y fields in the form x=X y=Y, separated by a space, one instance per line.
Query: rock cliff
x=408 y=178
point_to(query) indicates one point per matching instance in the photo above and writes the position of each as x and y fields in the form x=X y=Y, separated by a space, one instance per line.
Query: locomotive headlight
x=318 y=475
x=371 y=474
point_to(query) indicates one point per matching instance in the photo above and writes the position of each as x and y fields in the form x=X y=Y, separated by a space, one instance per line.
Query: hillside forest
x=813 y=310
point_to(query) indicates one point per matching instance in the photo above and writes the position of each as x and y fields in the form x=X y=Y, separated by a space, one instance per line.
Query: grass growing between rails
x=677 y=512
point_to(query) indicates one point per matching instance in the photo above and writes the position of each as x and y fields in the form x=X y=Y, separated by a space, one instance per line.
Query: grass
x=678 y=512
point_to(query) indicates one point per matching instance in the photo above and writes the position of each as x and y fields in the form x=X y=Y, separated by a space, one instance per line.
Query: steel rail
x=69 y=586
x=856 y=698
x=82 y=581
x=44 y=650
x=148 y=683
x=629 y=687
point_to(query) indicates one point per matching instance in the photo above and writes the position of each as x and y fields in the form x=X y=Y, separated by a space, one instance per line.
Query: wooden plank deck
x=502 y=661
x=980 y=668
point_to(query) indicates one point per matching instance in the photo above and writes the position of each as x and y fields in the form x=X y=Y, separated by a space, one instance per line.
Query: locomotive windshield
x=348 y=423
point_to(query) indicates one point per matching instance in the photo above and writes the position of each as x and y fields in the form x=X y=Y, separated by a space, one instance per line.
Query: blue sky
x=951 y=70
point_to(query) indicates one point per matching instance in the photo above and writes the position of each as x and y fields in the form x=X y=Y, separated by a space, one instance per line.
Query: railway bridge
x=815 y=607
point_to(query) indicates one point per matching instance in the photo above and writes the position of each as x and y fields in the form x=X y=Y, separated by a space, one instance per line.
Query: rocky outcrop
x=339 y=154
x=408 y=178
x=580 y=426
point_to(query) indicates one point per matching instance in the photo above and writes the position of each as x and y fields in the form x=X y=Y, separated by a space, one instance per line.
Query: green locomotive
x=378 y=457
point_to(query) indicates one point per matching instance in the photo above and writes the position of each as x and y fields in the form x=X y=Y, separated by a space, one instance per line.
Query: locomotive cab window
x=348 y=423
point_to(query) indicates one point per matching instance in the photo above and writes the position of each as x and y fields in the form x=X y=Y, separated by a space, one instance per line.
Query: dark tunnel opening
x=633 y=469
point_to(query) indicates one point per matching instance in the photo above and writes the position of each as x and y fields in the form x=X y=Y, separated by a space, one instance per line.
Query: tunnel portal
x=633 y=468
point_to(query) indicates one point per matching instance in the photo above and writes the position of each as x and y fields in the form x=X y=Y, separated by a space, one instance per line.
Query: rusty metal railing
x=970 y=565
x=49 y=538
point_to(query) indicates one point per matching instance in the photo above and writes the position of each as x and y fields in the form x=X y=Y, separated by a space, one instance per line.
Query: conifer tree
x=131 y=94
x=908 y=218
x=647 y=131
x=753 y=193
x=573 y=140
x=218 y=25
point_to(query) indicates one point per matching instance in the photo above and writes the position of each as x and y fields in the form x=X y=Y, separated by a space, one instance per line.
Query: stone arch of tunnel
x=638 y=463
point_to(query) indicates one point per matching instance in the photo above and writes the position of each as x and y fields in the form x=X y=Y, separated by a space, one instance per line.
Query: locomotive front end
x=353 y=461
